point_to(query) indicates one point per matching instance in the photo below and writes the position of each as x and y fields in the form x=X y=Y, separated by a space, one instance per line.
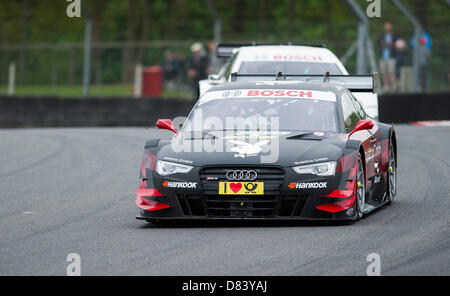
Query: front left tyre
x=392 y=175
x=360 y=189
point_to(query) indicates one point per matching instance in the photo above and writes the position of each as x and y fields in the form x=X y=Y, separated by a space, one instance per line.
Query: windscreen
x=260 y=113
x=289 y=68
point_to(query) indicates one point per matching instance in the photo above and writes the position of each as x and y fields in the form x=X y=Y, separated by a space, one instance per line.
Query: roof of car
x=272 y=89
x=292 y=52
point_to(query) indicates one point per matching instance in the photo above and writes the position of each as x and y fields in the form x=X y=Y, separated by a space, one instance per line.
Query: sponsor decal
x=322 y=159
x=179 y=184
x=235 y=93
x=178 y=160
x=370 y=154
x=241 y=188
x=286 y=57
x=244 y=149
x=272 y=93
x=297 y=58
x=280 y=93
x=378 y=150
x=311 y=185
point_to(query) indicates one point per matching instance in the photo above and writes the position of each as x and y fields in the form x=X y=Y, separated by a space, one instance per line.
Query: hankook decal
x=312 y=185
x=170 y=184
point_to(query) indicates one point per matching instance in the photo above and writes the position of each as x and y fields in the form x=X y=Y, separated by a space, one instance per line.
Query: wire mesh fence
x=127 y=33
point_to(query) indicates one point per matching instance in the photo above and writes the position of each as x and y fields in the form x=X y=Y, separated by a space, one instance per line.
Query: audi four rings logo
x=246 y=175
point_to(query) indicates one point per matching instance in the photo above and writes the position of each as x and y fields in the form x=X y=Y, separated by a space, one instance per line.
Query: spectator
x=400 y=49
x=387 y=60
x=171 y=67
x=424 y=58
x=182 y=68
x=198 y=65
x=214 y=62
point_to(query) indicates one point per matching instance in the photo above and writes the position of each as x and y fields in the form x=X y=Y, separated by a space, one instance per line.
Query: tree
x=146 y=25
x=97 y=9
x=128 y=51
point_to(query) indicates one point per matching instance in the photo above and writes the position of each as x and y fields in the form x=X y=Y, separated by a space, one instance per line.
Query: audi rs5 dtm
x=272 y=150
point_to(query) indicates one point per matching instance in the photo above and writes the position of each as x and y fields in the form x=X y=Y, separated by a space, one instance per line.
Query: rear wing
x=354 y=83
x=226 y=50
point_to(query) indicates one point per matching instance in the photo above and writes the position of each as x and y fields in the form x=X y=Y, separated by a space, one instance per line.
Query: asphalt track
x=72 y=191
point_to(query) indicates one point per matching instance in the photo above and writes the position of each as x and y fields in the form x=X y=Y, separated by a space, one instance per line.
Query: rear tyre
x=360 y=199
x=392 y=176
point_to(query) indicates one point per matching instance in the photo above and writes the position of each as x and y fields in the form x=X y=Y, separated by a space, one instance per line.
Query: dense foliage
x=179 y=22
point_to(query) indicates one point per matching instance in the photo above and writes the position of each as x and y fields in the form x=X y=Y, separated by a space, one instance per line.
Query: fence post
x=137 y=91
x=363 y=36
x=87 y=57
x=217 y=21
x=11 y=79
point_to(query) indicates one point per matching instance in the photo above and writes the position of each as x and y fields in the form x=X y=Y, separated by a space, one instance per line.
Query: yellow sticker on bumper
x=241 y=188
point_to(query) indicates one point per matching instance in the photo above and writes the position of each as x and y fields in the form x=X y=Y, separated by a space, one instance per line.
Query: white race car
x=287 y=59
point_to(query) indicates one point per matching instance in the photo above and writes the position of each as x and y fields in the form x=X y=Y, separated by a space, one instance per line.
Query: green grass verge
x=98 y=91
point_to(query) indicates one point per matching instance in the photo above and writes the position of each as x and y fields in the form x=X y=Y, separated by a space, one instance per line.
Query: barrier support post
x=11 y=79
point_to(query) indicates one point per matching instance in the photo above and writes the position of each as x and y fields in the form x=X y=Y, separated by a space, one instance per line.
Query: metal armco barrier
x=403 y=108
x=56 y=112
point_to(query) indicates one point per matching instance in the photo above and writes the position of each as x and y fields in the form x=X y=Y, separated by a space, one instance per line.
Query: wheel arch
x=388 y=134
x=363 y=157
x=393 y=138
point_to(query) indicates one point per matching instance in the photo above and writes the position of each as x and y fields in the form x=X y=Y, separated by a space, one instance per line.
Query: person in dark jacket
x=198 y=66
x=171 y=67
x=400 y=56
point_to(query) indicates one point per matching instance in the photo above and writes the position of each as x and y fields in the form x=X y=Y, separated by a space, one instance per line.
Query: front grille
x=271 y=176
x=214 y=205
x=211 y=204
x=292 y=206
x=192 y=205
x=241 y=205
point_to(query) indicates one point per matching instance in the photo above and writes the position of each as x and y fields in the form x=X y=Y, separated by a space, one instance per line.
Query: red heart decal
x=235 y=187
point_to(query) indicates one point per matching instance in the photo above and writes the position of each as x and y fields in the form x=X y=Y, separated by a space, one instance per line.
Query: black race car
x=292 y=149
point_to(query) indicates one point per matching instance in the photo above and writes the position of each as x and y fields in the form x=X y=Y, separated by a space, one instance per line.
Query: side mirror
x=214 y=79
x=166 y=124
x=362 y=125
